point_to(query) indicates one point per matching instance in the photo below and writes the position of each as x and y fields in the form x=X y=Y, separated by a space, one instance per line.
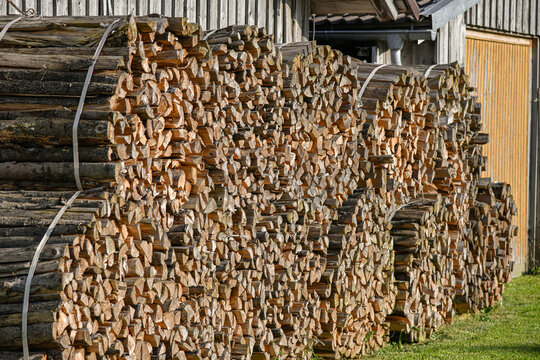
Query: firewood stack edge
x=242 y=199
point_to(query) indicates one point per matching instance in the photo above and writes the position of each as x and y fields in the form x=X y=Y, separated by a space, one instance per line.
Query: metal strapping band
x=26 y=13
x=30 y=13
x=429 y=70
x=8 y=25
x=81 y=105
x=413 y=202
x=32 y=269
x=364 y=86
x=207 y=35
x=68 y=204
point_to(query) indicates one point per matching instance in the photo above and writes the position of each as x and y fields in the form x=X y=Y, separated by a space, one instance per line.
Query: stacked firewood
x=243 y=200
x=423 y=269
x=325 y=135
x=459 y=161
x=69 y=283
x=106 y=283
x=489 y=264
x=418 y=134
x=463 y=164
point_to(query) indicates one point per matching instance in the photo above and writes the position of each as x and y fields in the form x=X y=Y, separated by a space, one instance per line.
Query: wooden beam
x=413 y=6
x=386 y=9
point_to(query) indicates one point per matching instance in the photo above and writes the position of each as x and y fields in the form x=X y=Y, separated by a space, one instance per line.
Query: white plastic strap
x=76 y=169
x=32 y=269
x=68 y=204
x=208 y=34
x=8 y=25
x=429 y=70
x=402 y=206
x=364 y=86
x=26 y=13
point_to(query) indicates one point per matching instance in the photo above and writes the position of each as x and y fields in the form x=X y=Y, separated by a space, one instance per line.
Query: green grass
x=507 y=331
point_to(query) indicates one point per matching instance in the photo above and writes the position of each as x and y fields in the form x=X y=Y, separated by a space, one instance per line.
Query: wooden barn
x=497 y=42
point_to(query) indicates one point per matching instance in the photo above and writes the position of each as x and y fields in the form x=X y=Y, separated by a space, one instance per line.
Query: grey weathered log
x=60 y=112
x=54 y=131
x=46 y=103
x=39 y=334
x=18 y=153
x=53 y=88
x=17 y=355
x=59 y=62
x=48 y=283
x=18 y=217
x=62 y=172
x=480 y=139
x=21 y=268
x=69 y=34
x=38 y=312
x=37 y=230
x=88 y=51
x=19 y=254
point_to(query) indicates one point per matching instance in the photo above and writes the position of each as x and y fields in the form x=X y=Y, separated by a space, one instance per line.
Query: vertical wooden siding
x=451 y=41
x=288 y=20
x=499 y=67
x=517 y=16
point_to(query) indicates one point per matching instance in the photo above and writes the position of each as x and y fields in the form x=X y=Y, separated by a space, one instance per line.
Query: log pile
x=360 y=269
x=106 y=286
x=489 y=264
x=69 y=285
x=459 y=161
x=243 y=200
x=422 y=268
x=469 y=194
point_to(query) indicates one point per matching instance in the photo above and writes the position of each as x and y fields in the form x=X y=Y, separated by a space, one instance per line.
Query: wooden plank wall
x=515 y=16
x=288 y=20
x=499 y=67
x=451 y=41
x=414 y=53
